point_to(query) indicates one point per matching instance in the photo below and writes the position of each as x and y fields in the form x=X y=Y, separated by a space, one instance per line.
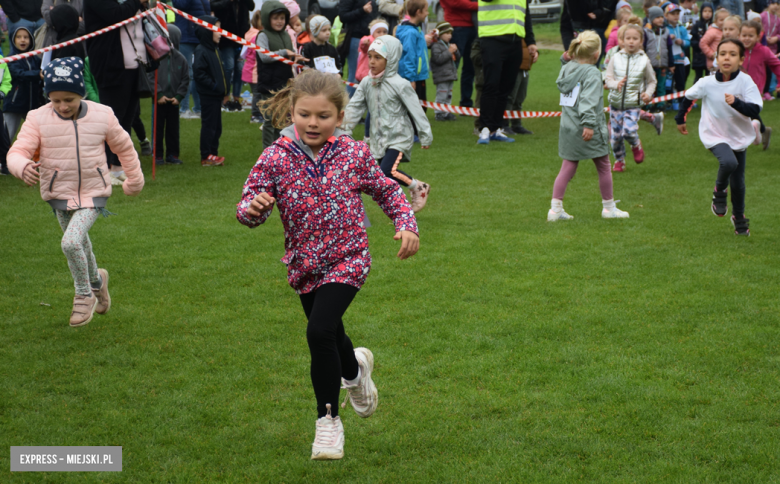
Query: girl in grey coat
x=583 y=132
x=391 y=100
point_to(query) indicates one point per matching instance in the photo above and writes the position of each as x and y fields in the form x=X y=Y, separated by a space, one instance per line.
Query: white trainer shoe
x=613 y=212
x=658 y=123
x=484 y=137
x=553 y=215
x=419 y=196
x=329 y=439
x=363 y=396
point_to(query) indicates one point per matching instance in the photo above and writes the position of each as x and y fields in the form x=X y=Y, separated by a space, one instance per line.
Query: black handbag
x=144 y=87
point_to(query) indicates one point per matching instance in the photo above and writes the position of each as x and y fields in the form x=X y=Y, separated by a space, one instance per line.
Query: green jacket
x=90 y=84
x=391 y=100
x=587 y=112
x=5 y=85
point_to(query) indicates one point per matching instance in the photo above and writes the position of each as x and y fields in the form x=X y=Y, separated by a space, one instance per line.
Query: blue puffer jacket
x=196 y=8
x=414 y=60
x=26 y=84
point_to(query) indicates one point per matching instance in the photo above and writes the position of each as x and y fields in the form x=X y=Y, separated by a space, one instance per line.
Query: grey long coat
x=587 y=112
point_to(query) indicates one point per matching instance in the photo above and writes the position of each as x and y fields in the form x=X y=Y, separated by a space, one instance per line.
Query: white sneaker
x=613 y=212
x=554 y=215
x=329 y=439
x=115 y=180
x=484 y=137
x=363 y=396
x=658 y=122
x=419 y=196
x=366 y=139
x=757 y=129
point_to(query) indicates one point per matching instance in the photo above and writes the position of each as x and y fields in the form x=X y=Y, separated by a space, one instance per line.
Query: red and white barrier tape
x=14 y=58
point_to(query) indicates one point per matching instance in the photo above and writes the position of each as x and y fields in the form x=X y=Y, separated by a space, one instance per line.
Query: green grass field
x=509 y=349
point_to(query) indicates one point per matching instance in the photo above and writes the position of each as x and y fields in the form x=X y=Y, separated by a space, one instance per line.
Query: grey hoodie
x=391 y=100
x=587 y=112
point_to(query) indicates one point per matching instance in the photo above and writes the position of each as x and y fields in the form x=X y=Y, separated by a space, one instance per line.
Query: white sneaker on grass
x=329 y=439
x=658 y=122
x=554 y=216
x=611 y=211
x=363 y=395
x=484 y=137
x=419 y=196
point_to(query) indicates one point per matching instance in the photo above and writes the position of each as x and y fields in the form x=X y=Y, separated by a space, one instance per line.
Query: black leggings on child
x=389 y=166
x=731 y=173
x=332 y=355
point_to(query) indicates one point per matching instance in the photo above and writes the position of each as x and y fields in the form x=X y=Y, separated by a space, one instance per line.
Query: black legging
x=138 y=125
x=389 y=166
x=332 y=355
x=731 y=174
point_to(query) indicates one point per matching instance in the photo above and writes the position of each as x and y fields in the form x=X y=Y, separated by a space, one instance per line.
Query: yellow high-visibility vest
x=502 y=17
x=170 y=16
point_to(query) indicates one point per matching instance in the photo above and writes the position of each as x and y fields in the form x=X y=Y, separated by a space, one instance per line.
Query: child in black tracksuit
x=212 y=87
x=173 y=81
x=699 y=61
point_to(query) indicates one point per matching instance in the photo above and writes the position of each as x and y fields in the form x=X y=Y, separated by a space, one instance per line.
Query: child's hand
x=174 y=101
x=300 y=58
x=671 y=69
x=162 y=100
x=645 y=97
x=671 y=36
x=729 y=99
x=410 y=244
x=262 y=203
x=414 y=85
x=587 y=134
x=678 y=42
x=30 y=174
x=682 y=128
x=622 y=83
x=453 y=48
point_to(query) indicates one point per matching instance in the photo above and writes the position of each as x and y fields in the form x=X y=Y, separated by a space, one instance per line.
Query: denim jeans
x=237 y=68
x=229 y=57
x=187 y=50
x=463 y=37
x=354 y=45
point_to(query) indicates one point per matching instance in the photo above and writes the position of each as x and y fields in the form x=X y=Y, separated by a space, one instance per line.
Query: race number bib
x=326 y=64
x=569 y=99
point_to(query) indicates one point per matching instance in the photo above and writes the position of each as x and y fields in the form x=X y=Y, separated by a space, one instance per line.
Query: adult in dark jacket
x=591 y=15
x=460 y=14
x=65 y=22
x=23 y=13
x=566 y=28
x=48 y=6
x=189 y=42
x=26 y=85
x=355 y=16
x=212 y=86
x=234 y=17
x=116 y=79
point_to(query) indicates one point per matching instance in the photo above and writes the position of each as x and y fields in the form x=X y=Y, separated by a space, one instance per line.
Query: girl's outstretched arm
x=385 y=192
x=259 y=182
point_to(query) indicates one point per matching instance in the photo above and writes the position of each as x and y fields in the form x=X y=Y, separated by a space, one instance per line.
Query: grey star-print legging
x=78 y=248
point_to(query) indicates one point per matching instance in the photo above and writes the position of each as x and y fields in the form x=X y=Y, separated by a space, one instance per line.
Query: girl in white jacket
x=631 y=80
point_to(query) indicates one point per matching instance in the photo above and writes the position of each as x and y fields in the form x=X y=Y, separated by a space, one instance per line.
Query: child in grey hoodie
x=445 y=72
x=583 y=132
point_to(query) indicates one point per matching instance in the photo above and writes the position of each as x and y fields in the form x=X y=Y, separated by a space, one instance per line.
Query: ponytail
x=585 y=45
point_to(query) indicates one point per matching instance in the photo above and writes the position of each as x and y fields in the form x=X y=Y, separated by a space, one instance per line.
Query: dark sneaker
x=146 y=148
x=4 y=169
x=720 y=202
x=159 y=161
x=173 y=160
x=741 y=225
x=766 y=137
x=521 y=130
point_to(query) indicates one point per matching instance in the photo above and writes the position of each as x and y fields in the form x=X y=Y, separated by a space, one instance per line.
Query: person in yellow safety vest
x=503 y=24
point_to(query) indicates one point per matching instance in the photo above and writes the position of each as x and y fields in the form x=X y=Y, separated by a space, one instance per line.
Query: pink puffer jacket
x=73 y=167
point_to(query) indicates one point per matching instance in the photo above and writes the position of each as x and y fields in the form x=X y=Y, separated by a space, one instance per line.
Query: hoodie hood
x=175 y=35
x=712 y=9
x=291 y=133
x=394 y=50
x=14 y=49
x=269 y=7
x=65 y=20
x=571 y=74
x=204 y=35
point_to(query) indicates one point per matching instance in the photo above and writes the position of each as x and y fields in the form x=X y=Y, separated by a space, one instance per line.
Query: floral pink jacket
x=321 y=209
x=74 y=173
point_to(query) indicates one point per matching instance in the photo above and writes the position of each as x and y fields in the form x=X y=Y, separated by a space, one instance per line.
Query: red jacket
x=458 y=12
x=757 y=60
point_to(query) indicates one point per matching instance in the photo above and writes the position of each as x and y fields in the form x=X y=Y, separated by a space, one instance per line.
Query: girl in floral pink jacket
x=315 y=173
x=71 y=134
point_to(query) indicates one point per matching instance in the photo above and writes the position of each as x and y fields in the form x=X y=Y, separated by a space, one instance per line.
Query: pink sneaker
x=768 y=97
x=639 y=153
x=619 y=166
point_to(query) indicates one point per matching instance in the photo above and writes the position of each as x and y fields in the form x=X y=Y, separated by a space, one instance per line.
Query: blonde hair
x=622 y=14
x=585 y=45
x=736 y=19
x=720 y=11
x=257 y=21
x=631 y=26
x=310 y=82
x=376 y=21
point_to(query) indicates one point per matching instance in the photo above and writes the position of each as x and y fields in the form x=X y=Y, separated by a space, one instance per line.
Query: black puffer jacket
x=65 y=21
x=355 y=19
x=105 y=51
x=233 y=16
x=579 y=9
x=22 y=9
x=207 y=68
x=698 y=30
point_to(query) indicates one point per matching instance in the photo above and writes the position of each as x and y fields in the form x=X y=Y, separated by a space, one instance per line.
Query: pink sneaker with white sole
x=639 y=153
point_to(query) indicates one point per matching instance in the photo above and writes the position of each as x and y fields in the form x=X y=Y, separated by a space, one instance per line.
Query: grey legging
x=731 y=173
x=78 y=248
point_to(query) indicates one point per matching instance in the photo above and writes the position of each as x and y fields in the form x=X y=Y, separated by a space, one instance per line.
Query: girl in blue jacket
x=26 y=91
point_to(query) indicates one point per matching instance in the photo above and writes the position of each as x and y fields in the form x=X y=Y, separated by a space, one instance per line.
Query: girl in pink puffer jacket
x=73 y=173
